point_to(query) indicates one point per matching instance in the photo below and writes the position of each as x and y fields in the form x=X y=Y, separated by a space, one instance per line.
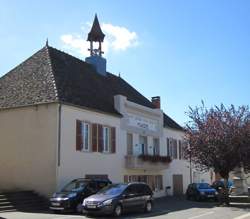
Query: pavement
x=165 y=208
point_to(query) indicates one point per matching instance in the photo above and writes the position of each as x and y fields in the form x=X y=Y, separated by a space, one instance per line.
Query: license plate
x=210 y=196
x=91 y=206
x=55 y=204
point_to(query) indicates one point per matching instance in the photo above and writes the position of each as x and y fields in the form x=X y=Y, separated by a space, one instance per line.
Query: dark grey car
x=118 y=198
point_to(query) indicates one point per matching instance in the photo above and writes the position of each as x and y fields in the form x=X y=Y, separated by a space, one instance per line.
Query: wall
x=76 y=164
x=180 y=166
x=28 y=142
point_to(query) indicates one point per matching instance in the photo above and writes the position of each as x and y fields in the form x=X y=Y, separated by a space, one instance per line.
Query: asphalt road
x=167 y=208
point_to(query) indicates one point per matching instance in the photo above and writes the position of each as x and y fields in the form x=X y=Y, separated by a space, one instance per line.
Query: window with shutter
x=78 y=135
x=174 y=149
x=106 y=139
x=113 y=140
x=94 y=138
x=180 y=149
x=168 y=147
x=100 y=138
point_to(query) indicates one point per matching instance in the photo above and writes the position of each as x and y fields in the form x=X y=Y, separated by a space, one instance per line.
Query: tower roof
x=96 y=33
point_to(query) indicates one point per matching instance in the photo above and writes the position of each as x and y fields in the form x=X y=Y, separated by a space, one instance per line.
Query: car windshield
x=114 y=189
x=203 y=186
x=75 y=186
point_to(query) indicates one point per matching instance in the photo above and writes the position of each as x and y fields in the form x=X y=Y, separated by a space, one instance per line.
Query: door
x=131 y=199
x=178 y=184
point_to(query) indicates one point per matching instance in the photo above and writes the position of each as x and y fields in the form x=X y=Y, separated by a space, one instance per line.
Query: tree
x=219 y=138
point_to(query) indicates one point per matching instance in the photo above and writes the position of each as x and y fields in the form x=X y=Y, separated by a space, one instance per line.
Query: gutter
x=59 y=135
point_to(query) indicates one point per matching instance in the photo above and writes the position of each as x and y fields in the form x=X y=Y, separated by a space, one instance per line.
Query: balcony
x=147 y=162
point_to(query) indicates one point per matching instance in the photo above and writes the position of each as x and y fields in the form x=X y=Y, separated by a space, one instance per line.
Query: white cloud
x=117 y=39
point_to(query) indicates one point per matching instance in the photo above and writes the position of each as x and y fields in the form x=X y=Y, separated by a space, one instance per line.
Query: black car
x=71 y=196
x=118 y=198
x=201 y=191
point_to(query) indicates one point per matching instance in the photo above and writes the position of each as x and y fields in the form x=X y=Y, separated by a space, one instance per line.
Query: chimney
x=156 y=102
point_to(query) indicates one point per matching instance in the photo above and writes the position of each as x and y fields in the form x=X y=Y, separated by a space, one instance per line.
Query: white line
x=201 y=215
x=67 y=217
x=243 y=216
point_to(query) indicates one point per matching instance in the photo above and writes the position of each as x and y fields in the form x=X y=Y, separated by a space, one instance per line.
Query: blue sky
x=183 y=51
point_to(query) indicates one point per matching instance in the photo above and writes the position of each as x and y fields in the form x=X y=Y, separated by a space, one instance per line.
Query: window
x=144 y=144
x=180 y=150
x=85 y=136
x=129 y=143
x=106 y=139
x=156 y=146
x=168 y=147
x=174 y=148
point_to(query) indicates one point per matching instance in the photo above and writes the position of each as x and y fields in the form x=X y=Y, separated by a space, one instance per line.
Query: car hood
x=62 y=194
x=207 y=190
x=99 y=197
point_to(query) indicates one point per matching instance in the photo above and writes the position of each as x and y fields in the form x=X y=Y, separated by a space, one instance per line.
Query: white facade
x=138 y=121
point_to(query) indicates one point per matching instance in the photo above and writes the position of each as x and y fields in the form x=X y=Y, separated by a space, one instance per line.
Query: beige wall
x=28 y=148
x=76 y=164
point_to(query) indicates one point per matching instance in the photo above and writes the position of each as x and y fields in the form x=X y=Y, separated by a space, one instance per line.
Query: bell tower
x=96 y=36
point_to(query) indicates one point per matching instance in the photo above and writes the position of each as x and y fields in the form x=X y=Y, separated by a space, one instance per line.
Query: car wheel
x=148 y=206
x=57 y=211
x=118 y=210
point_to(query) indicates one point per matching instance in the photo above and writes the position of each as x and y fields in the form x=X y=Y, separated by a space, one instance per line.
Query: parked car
x=71 y=196
x=116 y=199
x=201 y=191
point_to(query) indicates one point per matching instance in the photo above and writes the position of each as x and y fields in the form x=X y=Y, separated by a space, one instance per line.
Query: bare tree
x=219 y=138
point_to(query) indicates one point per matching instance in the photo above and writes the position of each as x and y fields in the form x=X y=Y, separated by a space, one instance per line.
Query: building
x=63 y=118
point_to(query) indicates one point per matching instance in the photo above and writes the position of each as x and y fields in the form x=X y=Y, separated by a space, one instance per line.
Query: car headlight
x=202 y=193
x=71 y=195
x=54 y=195
x=216 y=193
x=107 y=202
x=84 y=202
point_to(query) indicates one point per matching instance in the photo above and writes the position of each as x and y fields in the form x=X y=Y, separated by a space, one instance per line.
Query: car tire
x=57 y=212
x=148 y=207
x=117 y=210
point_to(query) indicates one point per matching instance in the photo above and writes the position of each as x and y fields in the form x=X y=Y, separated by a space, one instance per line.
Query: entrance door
x=178 y=184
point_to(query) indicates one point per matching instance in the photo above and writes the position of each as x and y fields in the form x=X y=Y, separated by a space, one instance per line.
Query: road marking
x=201 y=215
x=243 y=216
x=66 y=217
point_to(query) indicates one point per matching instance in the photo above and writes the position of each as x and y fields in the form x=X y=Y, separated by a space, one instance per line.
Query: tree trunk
x=226 y=191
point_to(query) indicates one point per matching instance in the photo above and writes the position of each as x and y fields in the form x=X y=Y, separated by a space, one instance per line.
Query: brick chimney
x=156 y=102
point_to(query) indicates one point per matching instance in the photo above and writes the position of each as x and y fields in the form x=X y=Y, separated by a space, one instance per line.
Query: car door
x=91 y=188
x=143 y=195
x=130 y=198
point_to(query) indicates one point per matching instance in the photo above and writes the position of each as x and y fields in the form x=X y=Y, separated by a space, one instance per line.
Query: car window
x=74 y=186
x=92 y=186
x=131 y=190
x=203 y=186
x=113 y=189
x=101 y=184
x=146 y=190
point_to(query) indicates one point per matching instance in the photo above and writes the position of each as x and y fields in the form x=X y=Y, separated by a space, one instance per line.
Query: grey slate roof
x=51 y=75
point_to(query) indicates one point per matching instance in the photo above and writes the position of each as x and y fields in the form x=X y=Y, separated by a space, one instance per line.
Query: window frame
x=106 y=144
x=85 y=124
